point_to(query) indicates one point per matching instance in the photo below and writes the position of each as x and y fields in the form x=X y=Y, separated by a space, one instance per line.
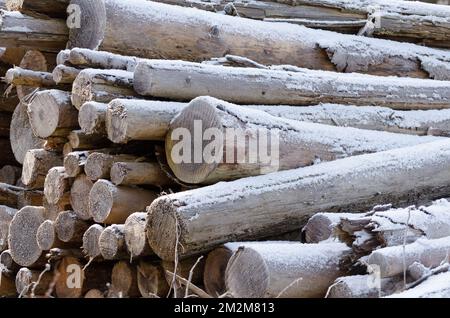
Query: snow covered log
x=63 y=74
x=394 y=260
x=292 y=144
x=19 y=30
x=36 y=164
x=364 y=286
x=436 y=286
x=19 y=76
x=50 y=8
x=85 y=58
x=290 y=197
x=101 y=86
x=212 y=35
x=91 y=118
x=179 y=80
x=292 y=270
x=135 y=237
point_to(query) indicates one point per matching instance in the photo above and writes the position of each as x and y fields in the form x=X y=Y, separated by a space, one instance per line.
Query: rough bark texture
x=85 y=58
x=139 y=173
x=19 y=197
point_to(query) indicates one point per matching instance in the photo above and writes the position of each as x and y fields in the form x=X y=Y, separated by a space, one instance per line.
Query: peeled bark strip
x=112 y=204
x=436 y=286
x=81 y=141
x=36 y=164
x=124 y=280
x=364 y=286
x=90 y=241
x=19 y=76
x=391 y=260
x=293 y=196
x=285 y=270
x=50 y=8
x=135 y=236
x=91 y=118
x=19 y=197
x=86 y=58
x=101 y=86
x=112 y=243
x=22 y=235
x=139 y=120
x=79 y=194
x=6 y=215
x=46 y=237
x=32 y=282
x=98 y=165
x=57 y=186
x=63 y=74
x=70 y=228
x=21 y=134
x=151 y=280
x=305 y=87
x=292 y=144
x=139 y=173
x=212 y=35
x=19 y=30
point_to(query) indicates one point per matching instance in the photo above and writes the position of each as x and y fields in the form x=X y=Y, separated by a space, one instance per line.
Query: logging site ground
x=226 y=152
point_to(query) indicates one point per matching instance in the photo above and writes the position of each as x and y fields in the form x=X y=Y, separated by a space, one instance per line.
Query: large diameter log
x=285 y=270
x=135 y=236
x=139 y=173
x=435 y=286
x=151 y=280
x=10 y=174
x=124 y=280
x=19 y=30
x=364 y=286
x=33 y=282
x=79 y=194
x=292 y=144
x=36 y=164
x=63 y=74
x=57 y=185
x=101 y=86
x=392 y=260
x=51 y=114
x=22 y=235
x=293 y=196
x=6 y=215
x=139 y=120
x=19 y=197
x=112 y=204
x=70 y=228
x=91 y=118
x=213 y=36
x=90 y=241
x=85 y=58
x=50 y=8
x=112 y=243
x=21 y=134
x=306 y=87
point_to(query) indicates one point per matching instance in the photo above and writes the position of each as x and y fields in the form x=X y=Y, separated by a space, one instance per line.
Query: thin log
x=379 y=177
x=62 y=58
x=79 y=194
x=50 y=8
x=74 y=162
x=29 y=281
x=210 y=35
x=112 y=243
x=364 y=286
x=80 y=141
x=90 y=241
x=139 y=173
x=19 y=76
x=292 y=144
x=98 y=165
x=124 y=280
x=6 y=216
x=57 y=186
x=63 y=74
x=92 y=117
x=19 y=197
x=51 y=114
x=135 y=236
x=151 y=280
x=112 y=204
x=36 y=164
x=85 y=58
x=70 y=228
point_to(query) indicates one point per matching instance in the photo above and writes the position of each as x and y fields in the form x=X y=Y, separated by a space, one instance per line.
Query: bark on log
x=57 y=186
x=70 y=228
x=112 y=243
x=90 y=241
x=63 y=74
x=292 y=144
x=124 y=280
x=305 y=87
x=79 y=194
x=21 y=134
x=277 y=270
x=212 y=35
x=81 y=141
x=101 y=86
x=85 y=58
x=50 y=8
x=91 y=118
x=393 y=260
x=46 y=237
x=51 y=114
x=135 y=237
x=379 y=177
x=139 y=173
x=6 y=215
x=434 y=287
x=364 y=286
x=22 y=235
x=19 y=197
x=33 y=282
x=10 y=174
x=139 y=120
x=36 y=164
x=112 y=204
x=151 y=280
x=8 y=263
x=98 y=165
x=19 y=30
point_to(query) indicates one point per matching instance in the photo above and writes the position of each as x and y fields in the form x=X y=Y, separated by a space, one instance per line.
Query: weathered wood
x=80 y=141
x=191 y=269
x=33 y=282
x=101 y=86
x=19 y=76
x=364 y=286
x=19 y=30
x=46 y=237
x=55 y=144
x=292 y=144
x=10 y=174
x=293 y=196
x=90 y=241
x=6 y=215
x=112 y=243
x=22 y=235
x=91 y=118
x=63 y=74
x=50 y=8
x=21 y=134
x=98 y=165
x=70 y=228
x=52 y=210
x=434 y=287
x=285 y=270
x=8 y=263
x=85 y=58
x=112 y=204
x=208 y=35
x=79 y=194
x=158 y=78
x=11 y=55
x=57 y=186
x=124 y=280
x=62 y=58
x=139 y=173
x=74 y=163
x=51 y=114
x=139 y=120
x=19 y=197
x=151 y=280
x=135 y=236
x=36 y=164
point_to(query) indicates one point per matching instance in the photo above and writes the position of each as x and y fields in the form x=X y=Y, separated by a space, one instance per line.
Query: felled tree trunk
x=36 y=164
x=135 y=237
x=79 y=194
x=112 y=243
x=364 y=286
x=434 y=287
x=90 y=241
x=91 y=118
x=151 y=280
x=124 y=280
x=85 y=58
x=19 y=197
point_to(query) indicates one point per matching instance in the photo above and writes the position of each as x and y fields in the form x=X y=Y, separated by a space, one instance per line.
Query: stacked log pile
x=348 y=202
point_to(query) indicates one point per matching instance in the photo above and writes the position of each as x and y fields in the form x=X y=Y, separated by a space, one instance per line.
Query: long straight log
x=6 y=216
x=91 y=118
x=135 y=236
x=85 y=58
x=51 y=114
x=364 y=286
x=78 y=140
x=36 y=164
x=19 y=76
x=212 y=35
x=158 y=78
x=101 y=86
x=90 y=241
x=112 y=243
x=292 y=144
x=286 y=270
x=79 y=194
x=19 y=197
x=293 y=196
x=50 y=8
x=112 y=204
